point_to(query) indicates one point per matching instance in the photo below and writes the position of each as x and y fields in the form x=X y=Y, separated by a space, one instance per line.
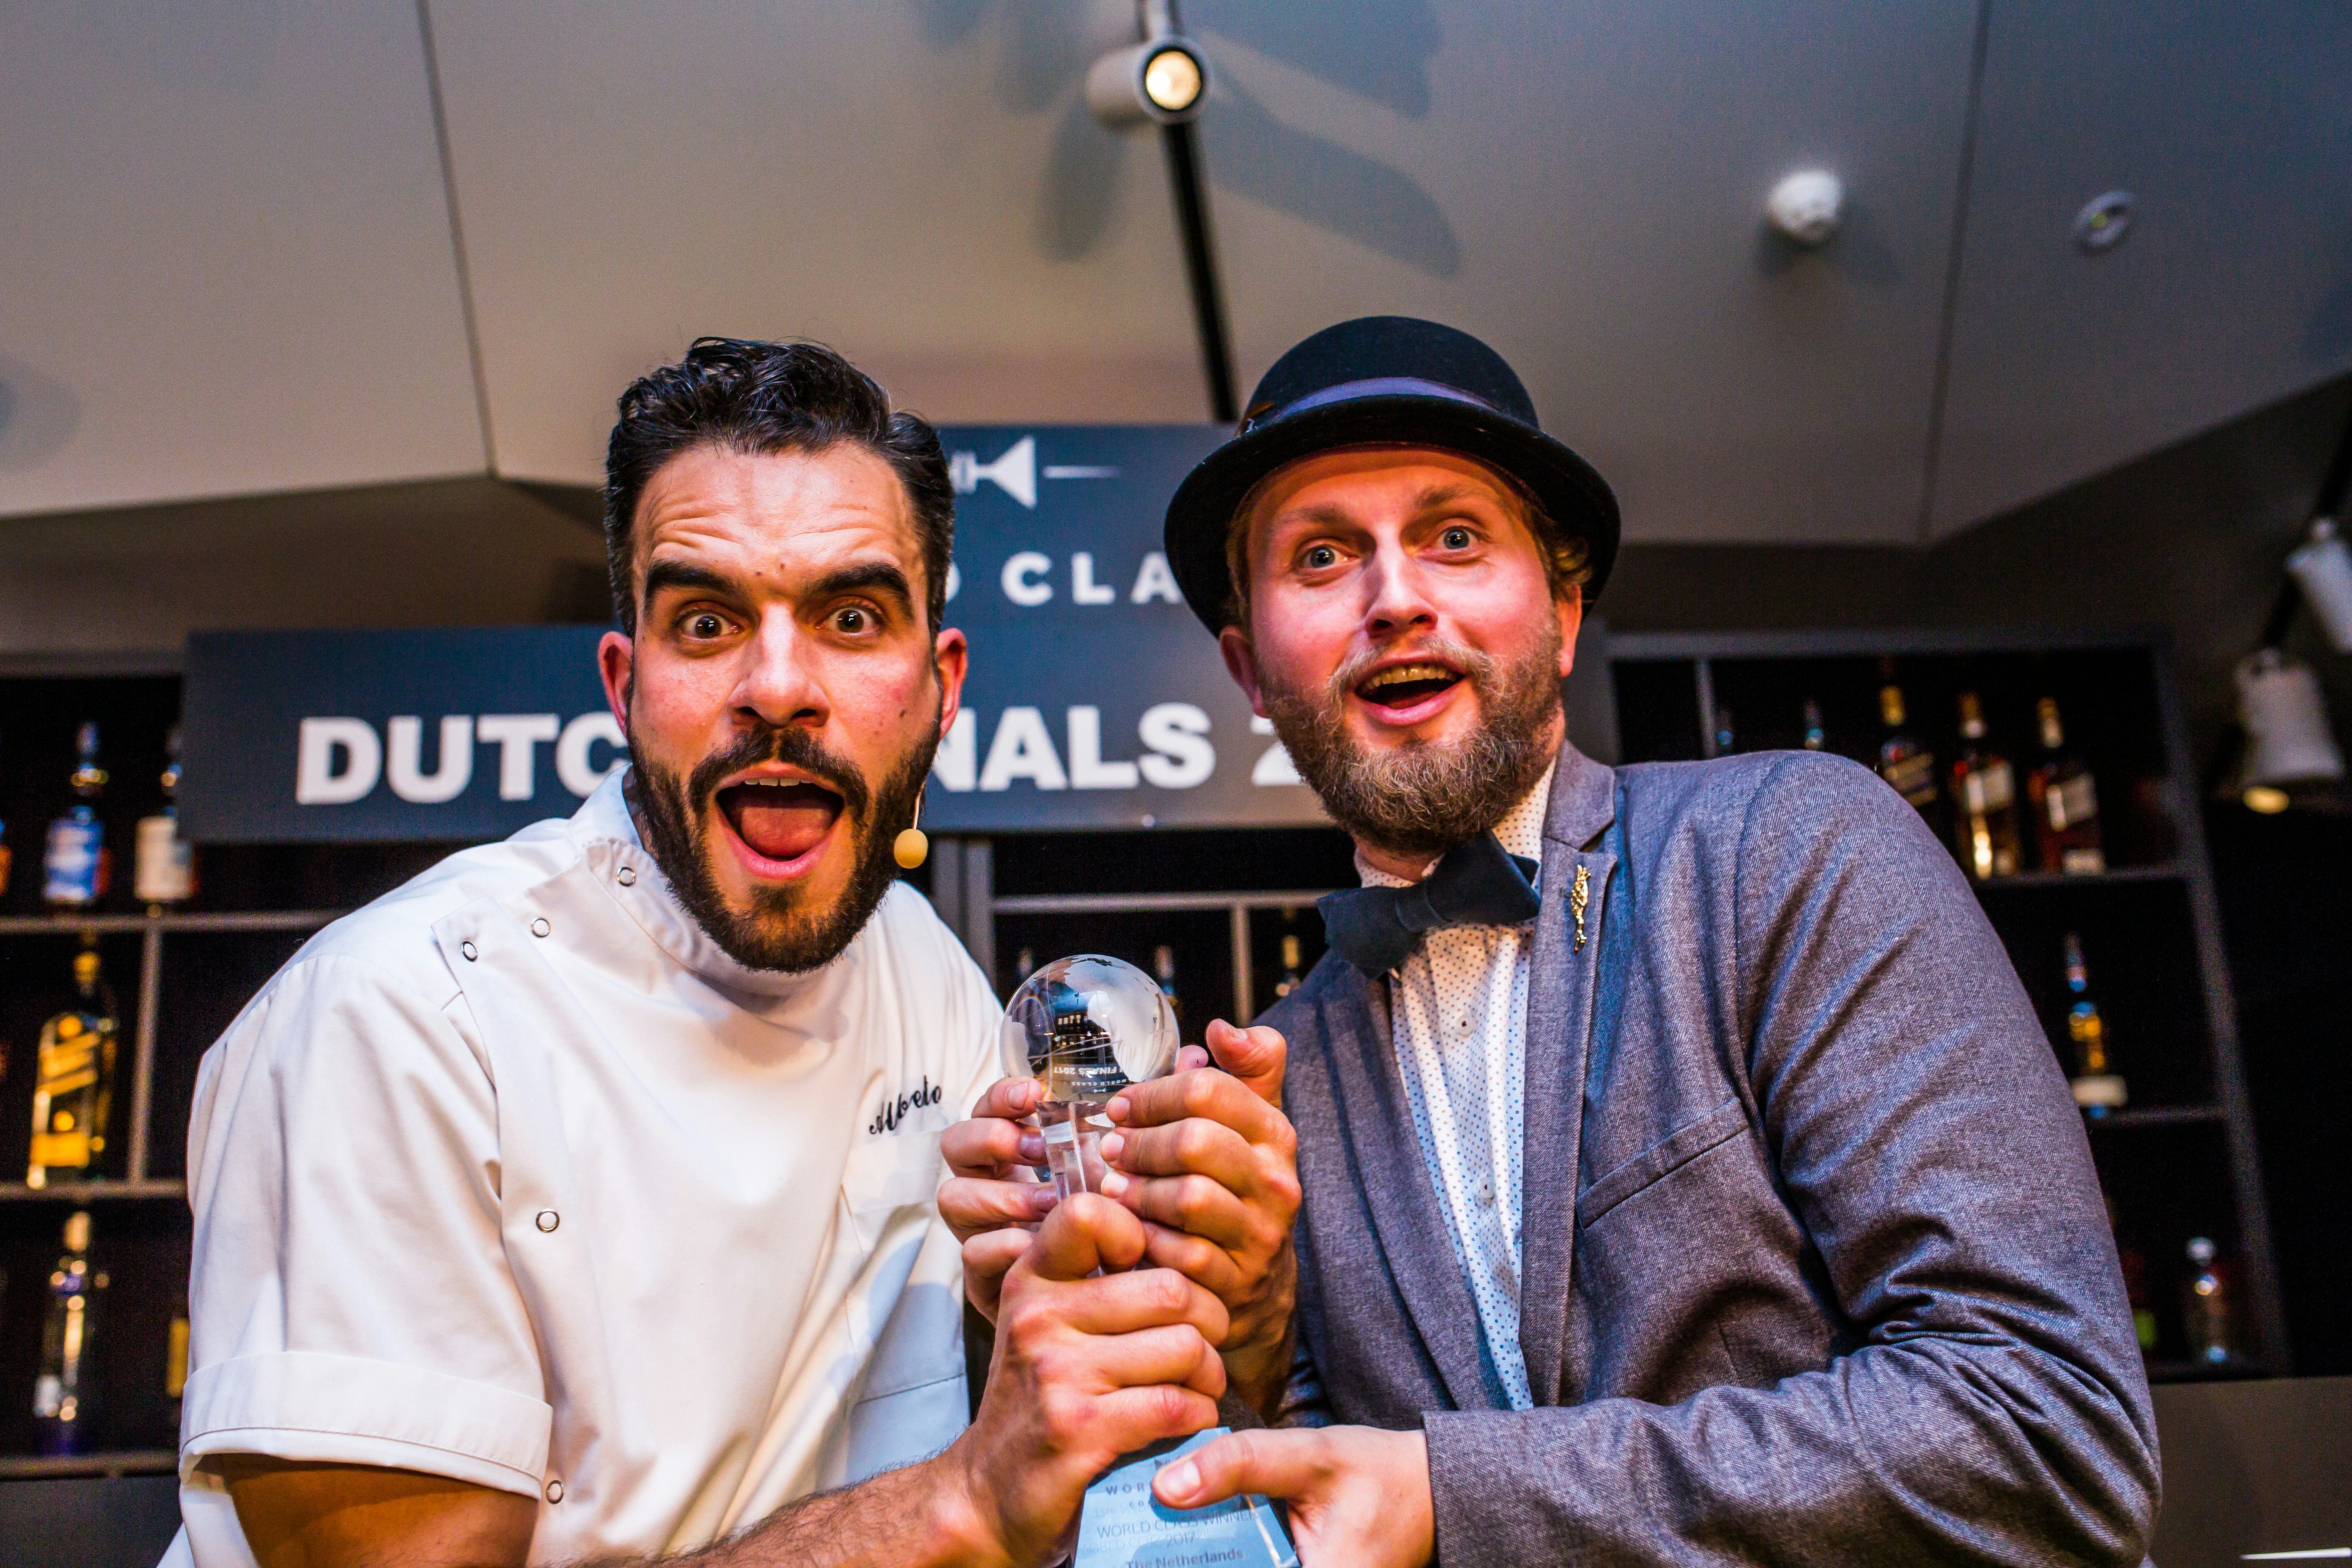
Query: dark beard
x=777 y=933
x=1418 y=800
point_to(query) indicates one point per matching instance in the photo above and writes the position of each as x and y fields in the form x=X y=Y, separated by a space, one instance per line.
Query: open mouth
x=1402 y=687
x=780 y=819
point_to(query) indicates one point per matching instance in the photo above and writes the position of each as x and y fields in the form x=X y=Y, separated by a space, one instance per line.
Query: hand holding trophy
x=1089 y=1026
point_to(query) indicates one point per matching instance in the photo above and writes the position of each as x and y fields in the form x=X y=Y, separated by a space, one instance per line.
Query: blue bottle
x=77 y=865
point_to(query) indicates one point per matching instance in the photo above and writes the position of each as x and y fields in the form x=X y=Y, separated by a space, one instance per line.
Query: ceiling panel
x=227 y=255
x=918 y=184
x=1583 y=185
x=2230 y=126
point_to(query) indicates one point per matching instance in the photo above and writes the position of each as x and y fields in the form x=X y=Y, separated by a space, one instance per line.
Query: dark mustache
x=793 y=748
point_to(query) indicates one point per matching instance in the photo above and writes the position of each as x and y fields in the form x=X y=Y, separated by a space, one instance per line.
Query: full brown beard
x=1419 y=799
x=783 y=930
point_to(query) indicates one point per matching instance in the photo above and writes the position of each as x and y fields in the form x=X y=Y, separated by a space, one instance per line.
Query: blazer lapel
x=1562 y=979
x=1376 y=1122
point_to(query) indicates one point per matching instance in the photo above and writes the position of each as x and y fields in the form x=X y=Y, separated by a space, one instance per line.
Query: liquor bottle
x=1024 y=964
x=65 y=1396
x=1289 y=981
x=1905 y=761
x=1163 y=968
x=2207 y=1308
x=2065 y=802
x=175 y=1357
x=73 y=1087
x=77 y=866
x=1727 y=736
x=2097 y=1089
x=1984 y=800
x=1815 y=736
x=163 y=870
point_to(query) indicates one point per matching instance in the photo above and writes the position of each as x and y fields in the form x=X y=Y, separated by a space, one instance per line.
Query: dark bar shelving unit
x=2178 y=1160
x=178 y=975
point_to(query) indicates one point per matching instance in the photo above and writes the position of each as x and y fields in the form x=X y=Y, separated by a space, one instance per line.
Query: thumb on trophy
x=1254 y=1055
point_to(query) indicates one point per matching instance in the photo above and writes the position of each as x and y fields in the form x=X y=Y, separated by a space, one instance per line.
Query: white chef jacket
x=514 y=1176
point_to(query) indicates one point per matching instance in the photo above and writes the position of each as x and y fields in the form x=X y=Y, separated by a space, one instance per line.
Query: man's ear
x=950 y=656
x=616 y=662
x=1569 y=607
x=1241 y=662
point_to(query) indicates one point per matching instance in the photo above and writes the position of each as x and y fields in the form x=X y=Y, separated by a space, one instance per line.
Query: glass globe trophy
x=1088 y=1026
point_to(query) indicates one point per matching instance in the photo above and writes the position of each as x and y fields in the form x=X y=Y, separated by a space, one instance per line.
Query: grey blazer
x=1816 y=1269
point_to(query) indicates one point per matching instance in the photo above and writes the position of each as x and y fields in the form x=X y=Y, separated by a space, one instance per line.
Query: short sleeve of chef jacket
x=356 y=1302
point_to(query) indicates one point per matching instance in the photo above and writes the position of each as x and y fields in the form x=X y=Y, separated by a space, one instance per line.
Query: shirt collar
x=1520 y=831
x=607 y=834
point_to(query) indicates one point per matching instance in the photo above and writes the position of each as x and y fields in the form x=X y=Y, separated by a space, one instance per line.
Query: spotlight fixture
x=1158 y=82
x=2323 y=566
x=1162 y=81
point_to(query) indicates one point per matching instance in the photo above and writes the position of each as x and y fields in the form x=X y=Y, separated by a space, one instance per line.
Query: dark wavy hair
x=742 y=395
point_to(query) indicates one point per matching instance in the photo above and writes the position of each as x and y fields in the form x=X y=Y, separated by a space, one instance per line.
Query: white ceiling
x=232 y=266
x=226 y=254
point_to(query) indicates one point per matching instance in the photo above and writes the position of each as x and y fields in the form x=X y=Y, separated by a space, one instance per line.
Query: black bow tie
x=1476 y=884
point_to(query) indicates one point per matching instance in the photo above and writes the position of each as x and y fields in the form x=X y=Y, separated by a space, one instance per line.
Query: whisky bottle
x=163 y=870
x=1815 y=737
x=1289 y=981
x=2207 y=1307
x=1163 y=968
x=1904 y=760
x=2064 y=801
x=73 y=1086
x=2097 y=1089
x=1727 y=735
x=65 y=1396
x=176 y=1358
x=1024 y=964
x=1984 y=800
x=77 y=865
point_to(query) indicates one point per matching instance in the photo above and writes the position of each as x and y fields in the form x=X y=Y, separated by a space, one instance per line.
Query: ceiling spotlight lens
x=1172 y=79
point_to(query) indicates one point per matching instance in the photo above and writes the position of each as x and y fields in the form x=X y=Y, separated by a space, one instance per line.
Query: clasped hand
x=1204 y=1157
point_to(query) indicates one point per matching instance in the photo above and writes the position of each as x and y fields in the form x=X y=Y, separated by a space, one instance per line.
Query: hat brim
x=1576 y=498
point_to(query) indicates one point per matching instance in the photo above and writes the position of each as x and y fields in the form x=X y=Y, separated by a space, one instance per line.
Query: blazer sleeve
x=1994 y=1408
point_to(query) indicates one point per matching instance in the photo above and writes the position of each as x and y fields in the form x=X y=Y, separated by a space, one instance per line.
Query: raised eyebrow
x=1445 y=495
x=661 y=576
x=880 y=576
x=1310 y=516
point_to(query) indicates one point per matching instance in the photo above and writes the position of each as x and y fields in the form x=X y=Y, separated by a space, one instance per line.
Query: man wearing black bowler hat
x=1686 y=1178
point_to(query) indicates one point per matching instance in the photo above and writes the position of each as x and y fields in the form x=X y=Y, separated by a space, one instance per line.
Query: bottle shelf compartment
x=142 y=1249
x=2139 y=948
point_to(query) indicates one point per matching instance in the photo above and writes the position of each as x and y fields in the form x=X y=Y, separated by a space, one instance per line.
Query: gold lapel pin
x=1578 y=894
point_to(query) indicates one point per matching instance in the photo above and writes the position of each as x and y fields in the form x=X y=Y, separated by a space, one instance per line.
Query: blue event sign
x=1096 y=700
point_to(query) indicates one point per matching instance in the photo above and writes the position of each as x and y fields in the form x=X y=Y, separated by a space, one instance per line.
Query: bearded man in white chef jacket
x=548 y=1208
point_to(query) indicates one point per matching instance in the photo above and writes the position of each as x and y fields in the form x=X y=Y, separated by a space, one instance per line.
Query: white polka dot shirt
x=1458 y=1009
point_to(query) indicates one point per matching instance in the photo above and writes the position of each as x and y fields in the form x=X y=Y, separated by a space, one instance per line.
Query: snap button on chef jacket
x=745 y=1293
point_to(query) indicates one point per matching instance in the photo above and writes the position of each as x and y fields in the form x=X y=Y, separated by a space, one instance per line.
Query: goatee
x=780 y=931
x=1417 y=800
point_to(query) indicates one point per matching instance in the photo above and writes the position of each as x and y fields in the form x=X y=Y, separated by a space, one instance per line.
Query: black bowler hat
x=1381 y=379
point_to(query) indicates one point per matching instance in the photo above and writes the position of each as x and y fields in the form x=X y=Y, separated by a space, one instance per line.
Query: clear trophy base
x=1122 y=1525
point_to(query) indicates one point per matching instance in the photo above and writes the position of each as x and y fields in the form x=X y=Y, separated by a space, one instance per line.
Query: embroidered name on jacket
x=893 y=1112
